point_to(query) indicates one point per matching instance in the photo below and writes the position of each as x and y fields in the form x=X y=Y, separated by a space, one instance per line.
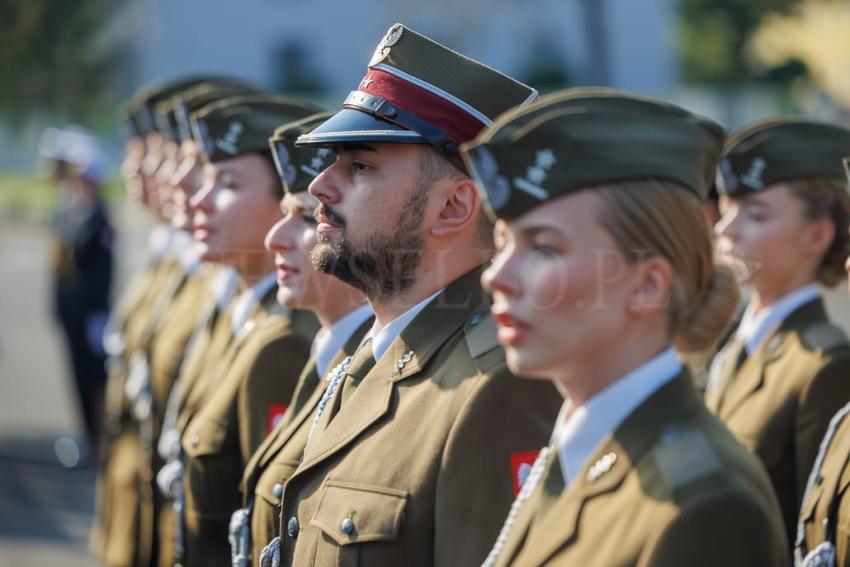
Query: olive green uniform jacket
x=115 y=534
x=207 y=357
x=415 y=469
x=280 y=454
x=780 y=401
x=669 y=487
x=825 y=513
x=266 y=358
x=167 y=347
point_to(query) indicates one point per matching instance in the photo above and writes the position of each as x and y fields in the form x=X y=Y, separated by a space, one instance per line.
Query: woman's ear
x=819 y=236
x=651 y=289
x=459 y=206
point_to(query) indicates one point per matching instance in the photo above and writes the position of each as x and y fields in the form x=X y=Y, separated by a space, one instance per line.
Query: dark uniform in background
x=83 y=240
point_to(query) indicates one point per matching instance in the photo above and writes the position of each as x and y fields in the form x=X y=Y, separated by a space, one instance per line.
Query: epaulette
x=823 y=336
x=481 y=334
x=684 y=457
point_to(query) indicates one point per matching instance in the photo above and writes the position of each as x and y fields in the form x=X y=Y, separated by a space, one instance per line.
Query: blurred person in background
x=210 y=331
x=83 y=240
x=122 y=530
x=258 y=348
x=783 y=372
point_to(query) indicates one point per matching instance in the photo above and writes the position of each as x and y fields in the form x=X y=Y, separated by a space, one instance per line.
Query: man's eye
x=358 y=166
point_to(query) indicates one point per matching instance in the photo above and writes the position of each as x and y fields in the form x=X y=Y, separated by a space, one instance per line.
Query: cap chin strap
x=385 y=110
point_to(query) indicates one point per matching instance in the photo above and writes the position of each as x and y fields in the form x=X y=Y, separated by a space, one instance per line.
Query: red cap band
x=459 y=124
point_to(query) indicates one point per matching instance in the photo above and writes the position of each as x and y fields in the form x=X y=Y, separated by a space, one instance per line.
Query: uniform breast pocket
x=360 y=525
x=212 y=472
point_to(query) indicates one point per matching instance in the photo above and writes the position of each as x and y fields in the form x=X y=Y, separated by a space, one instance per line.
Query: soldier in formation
x=321 y=362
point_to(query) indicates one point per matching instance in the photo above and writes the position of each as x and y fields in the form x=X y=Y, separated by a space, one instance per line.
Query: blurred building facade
x=321 y=47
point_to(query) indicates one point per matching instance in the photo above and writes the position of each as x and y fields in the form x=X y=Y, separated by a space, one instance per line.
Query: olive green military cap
x=418 y=91
x=781 y=149
x=140 y=111
x=240 y=125
x=298 y=166
x=579 y=138
x=191 y=100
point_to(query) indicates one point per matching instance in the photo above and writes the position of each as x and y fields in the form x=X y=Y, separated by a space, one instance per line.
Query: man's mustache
x=325 y=212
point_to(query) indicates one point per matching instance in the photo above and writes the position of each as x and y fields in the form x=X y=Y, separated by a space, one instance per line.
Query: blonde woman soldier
x=603 y=278
x=786 y=369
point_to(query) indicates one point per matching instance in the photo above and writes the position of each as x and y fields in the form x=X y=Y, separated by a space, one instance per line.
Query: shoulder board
x=823 y=336
x=481 y=335
x=684 y=457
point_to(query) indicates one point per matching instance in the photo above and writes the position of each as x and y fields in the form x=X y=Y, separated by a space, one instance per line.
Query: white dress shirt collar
x=382 y=338
x=224 y=286
x=327 y=343
x=756 y=327
x=248 y=300
x=578 y=436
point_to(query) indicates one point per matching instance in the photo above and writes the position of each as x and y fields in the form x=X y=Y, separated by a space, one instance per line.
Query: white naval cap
x=76 y=146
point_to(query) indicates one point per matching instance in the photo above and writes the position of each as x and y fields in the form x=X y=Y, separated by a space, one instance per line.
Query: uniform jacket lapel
x=633 y=439
x=405 y=358
x=309 y=379
x=755 y=371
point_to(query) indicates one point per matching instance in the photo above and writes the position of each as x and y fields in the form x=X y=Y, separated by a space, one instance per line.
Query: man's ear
x=651 y=289
x=459 y=203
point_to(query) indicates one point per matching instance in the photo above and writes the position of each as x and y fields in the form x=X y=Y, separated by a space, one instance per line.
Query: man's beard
x=386 y=265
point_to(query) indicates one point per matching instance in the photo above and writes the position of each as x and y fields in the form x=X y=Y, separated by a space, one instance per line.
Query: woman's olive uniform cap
x=241 y=125
x=781 y=149
x=140 y=110
x=298 y=166
x=578 y=138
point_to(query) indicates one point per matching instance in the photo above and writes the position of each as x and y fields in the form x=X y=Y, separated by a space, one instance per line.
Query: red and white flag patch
x=276 y=413
x=521 y=464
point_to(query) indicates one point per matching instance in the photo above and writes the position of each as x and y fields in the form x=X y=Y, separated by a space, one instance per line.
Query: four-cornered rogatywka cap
x=580 y=138
x=781 y=149
x=243 y=124
x=296 y=166
x=418 y=91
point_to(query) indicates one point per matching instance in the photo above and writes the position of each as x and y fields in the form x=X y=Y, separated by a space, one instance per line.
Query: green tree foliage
x=50 y=60
x=713 y=35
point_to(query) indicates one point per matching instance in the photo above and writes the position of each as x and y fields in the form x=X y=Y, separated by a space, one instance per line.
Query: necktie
x=553 y=485
x=361 y=363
